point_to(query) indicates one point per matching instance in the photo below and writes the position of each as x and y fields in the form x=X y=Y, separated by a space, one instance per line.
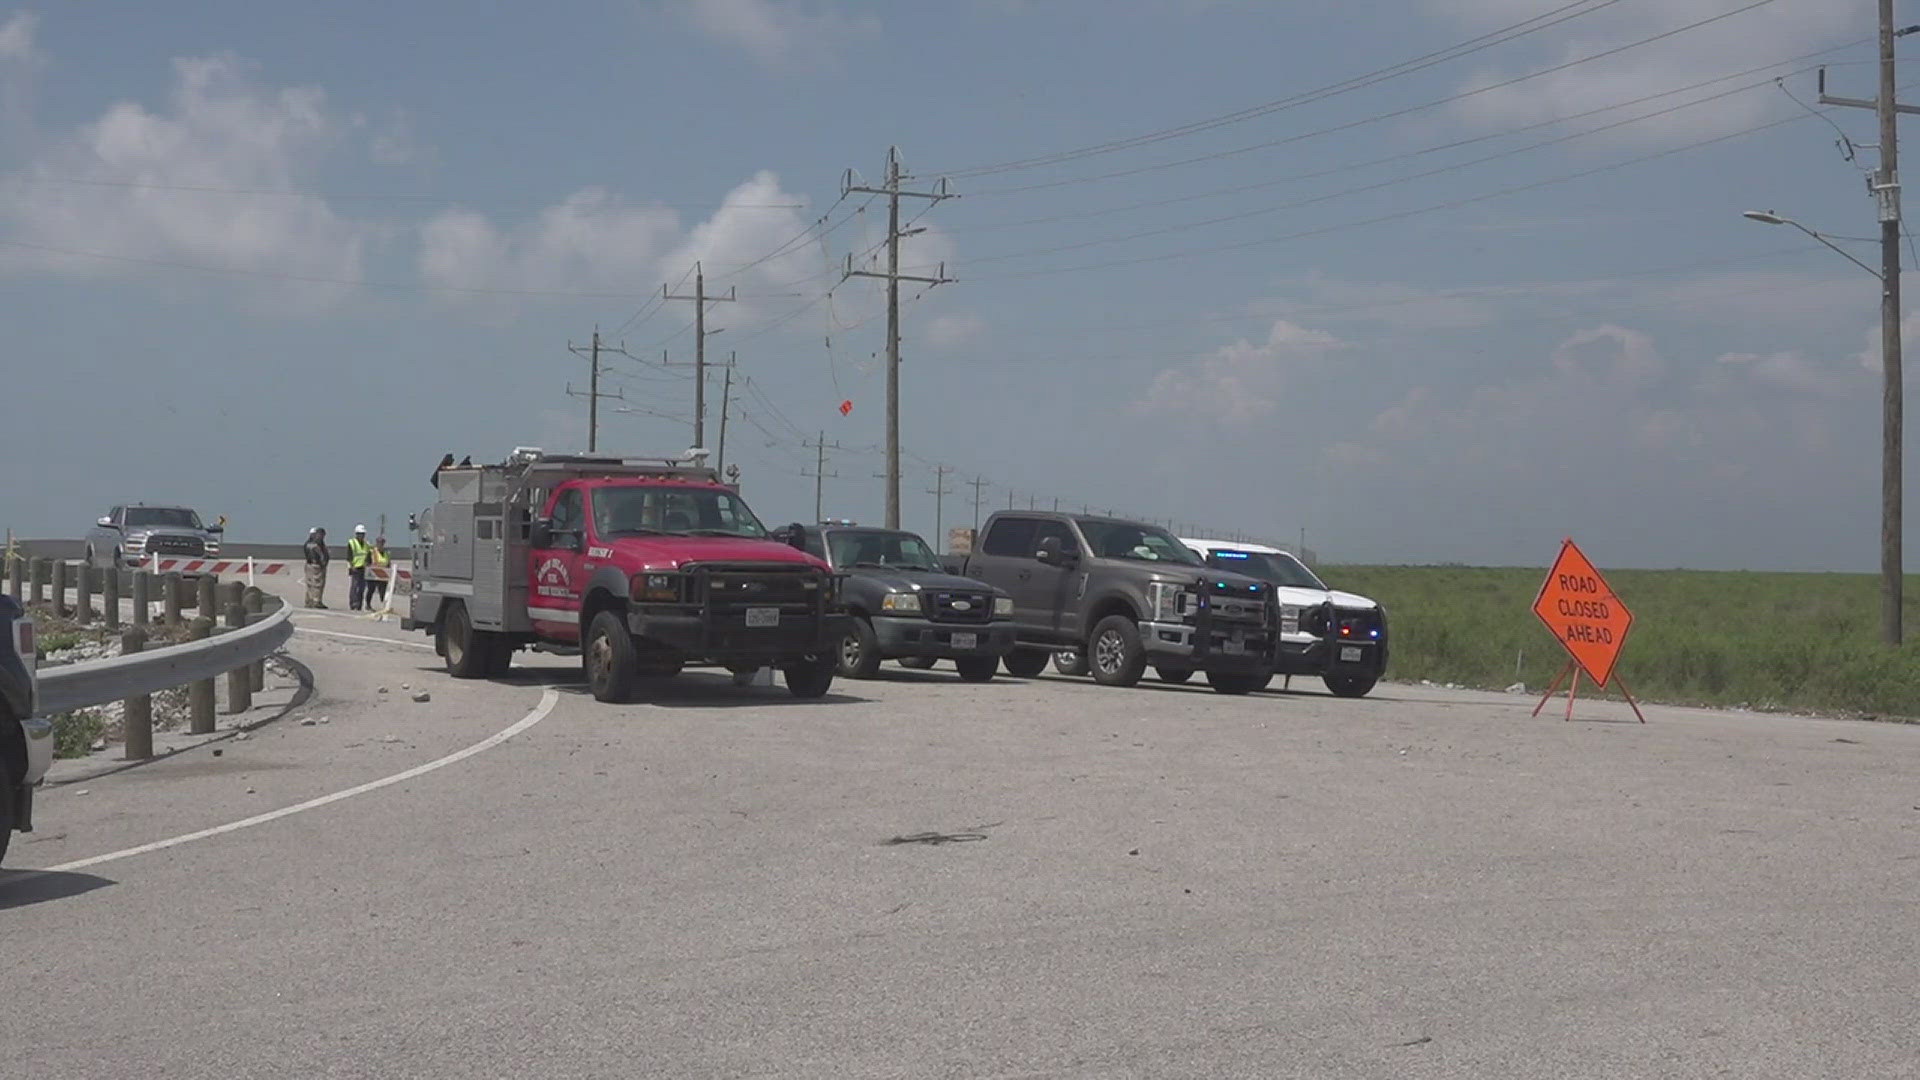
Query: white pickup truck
x=26 y=743
x=1339 y=636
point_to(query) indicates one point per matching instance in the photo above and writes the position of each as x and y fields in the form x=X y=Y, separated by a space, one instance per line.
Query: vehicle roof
x=1232 y=545
x=647 y=481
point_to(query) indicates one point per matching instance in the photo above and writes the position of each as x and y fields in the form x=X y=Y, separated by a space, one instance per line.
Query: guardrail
x=76 y=686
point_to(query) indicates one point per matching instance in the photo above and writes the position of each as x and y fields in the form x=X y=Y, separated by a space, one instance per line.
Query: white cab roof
x=1210 y=546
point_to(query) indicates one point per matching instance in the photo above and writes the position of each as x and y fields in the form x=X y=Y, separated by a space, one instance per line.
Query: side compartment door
x=555 y=576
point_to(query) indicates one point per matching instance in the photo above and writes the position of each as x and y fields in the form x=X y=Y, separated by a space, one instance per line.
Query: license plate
x=1350 y=654
x=763 y=616
x=966 y=641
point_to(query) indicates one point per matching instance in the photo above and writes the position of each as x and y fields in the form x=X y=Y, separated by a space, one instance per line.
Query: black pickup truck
x=905 y=606
x=1120 y=595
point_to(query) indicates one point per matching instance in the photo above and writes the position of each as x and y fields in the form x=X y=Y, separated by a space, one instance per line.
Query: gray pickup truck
x=129 y=535
x=1115 y=596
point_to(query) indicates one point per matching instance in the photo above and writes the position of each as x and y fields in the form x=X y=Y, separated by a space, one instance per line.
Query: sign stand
x=1574 y=688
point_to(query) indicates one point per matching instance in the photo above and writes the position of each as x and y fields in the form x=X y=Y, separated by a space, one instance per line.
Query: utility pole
x=977 y=483
x=939 y=491
x=593 y=394
x=726 y=394
x=820 y=473
x=1885 y=186
x=700 y=301
x=894 y=278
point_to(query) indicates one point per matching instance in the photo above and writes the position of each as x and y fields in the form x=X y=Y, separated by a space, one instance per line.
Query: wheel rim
x=457 y=642
x=1109 y=651
x=599 y=661
x=850 y=650
x=1070 y=657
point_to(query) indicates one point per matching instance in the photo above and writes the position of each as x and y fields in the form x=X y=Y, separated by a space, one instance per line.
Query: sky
x=1435 y=281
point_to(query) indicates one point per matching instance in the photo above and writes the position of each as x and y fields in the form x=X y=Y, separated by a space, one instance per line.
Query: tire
x=1349 y=685
x=1173 y=676
x=499 y=656
x=1236 y=682
x=858 y=656
x=1025 y=663
x=6 y=804
x=918 y=663
x=468 y=651
x=1070 y=662
x=92 y=558
x=609 y=658
x=811 y=679
x=1114 y=652
x=977 y=668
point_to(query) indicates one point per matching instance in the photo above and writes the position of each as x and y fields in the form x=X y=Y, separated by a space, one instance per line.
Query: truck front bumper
x=1330 y=656
x=1221 y=650
x=900 y=636
x=734 y=644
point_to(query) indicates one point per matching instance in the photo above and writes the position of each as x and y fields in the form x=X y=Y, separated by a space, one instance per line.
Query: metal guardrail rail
x=76 y=686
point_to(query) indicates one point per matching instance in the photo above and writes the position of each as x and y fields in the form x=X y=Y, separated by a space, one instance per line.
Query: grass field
x=1761 y=640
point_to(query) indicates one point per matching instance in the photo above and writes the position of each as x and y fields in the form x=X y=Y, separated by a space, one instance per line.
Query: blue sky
x=274 y=261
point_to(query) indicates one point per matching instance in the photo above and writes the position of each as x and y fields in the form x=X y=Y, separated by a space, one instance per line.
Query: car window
x=816 y=547
x=1140 y=543
x=1276 y=567
x=162 y=517
x=1059 y=531
x=566 y=511
x=877 y=547
x=692 y=511
x=1011 y=536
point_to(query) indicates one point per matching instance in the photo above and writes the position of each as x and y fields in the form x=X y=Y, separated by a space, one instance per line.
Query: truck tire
x=858 y=656
x=6 y=804
x=1114 y=652
x=1173 y=676
x=977 y=668
x=499 y=655
x=810 y=679
x=1025 y=663
x=1070 y=662
x=918 y=663
x=1349 y=685
x=609 y=658
x=468 y=651
x=1238 y=682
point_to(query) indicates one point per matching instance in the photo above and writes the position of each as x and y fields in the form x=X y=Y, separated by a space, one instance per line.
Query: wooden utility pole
x=893 y=278
x=593 y=395
x=977 y=483
x=820 y=447
x=939 y=491
x=726 y=395
x=1885 y=186
x=700 y=301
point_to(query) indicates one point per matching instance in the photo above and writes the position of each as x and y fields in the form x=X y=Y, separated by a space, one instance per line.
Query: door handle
x=1025 y=574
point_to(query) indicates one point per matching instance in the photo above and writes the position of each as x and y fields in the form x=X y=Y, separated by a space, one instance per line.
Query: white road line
x=548 y=699
x=362 y=637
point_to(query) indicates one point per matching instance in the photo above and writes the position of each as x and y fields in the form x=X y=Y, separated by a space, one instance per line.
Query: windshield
x=871 y=547
x=685 y=511
x=1142 y=543
x=1277 y=567
x=165 y=517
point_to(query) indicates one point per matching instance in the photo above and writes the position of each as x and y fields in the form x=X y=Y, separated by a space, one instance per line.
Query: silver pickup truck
x=128 y=536
x=26 y=743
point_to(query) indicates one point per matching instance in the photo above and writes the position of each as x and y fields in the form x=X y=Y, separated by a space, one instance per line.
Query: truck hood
x=1296 y=596
x=674 y=552
x=905 y=580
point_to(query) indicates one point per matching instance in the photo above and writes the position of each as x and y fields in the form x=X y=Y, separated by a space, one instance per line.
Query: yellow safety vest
x=379 y=560
x=357 y=550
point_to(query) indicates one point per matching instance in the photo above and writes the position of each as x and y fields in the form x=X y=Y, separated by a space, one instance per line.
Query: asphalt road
x=920 y=877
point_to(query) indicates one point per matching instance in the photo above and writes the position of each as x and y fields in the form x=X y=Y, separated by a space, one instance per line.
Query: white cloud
x=1241 y=382
x=120 y=184
x=1782 y=29
x=16 y=37
x=778 y=34
x=954 y=331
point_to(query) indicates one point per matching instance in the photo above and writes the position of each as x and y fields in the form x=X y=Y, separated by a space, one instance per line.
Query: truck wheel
x=919 y=663
x=808 y=679
x=468 y=651
x=609 y=658
x=1235 y=682
x=6 y=803
x=1349 y=685
x=1025 y=663
x=1070 y=662
x=859 y=651
x=499 y=655
x=1173 y=676
x=977 y=668
x=1115 y=652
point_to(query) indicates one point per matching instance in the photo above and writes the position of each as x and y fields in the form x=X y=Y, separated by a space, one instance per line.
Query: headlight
x=1171 y=601
x=212 y=547
x=903 y=601
x=135 y=543
x=1290 y=619
x=657 y=587
x=1003 y=605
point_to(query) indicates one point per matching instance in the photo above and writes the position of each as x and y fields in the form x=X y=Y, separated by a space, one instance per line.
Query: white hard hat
x=359 y=528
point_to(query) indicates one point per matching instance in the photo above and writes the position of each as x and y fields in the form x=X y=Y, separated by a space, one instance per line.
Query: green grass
x=1796 y=642
x=74 y=732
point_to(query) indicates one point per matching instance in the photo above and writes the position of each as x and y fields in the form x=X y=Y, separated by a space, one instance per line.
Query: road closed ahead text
x=1580 y=609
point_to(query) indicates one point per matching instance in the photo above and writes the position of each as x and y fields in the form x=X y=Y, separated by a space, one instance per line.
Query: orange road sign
x=1581 y=610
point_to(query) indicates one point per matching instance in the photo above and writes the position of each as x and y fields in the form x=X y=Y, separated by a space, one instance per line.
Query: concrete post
x=240 y=679
x=207 y=604
x=171 y=589
x=17 y=578
x=142 y=597
x=256 y=602
x=200 y=694
x=139 y=710
x=83 y=576
x=37 y=580
x=110 y=596
x=59 y=587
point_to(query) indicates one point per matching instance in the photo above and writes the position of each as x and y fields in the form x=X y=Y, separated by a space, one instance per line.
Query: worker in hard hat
x=357 y=555
x=317 y=556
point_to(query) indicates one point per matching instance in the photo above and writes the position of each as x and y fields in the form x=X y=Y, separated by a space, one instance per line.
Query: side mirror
x=412 y=525
x=796 y=536
x=105 y=523
x=1053 y=553
x=542 y=533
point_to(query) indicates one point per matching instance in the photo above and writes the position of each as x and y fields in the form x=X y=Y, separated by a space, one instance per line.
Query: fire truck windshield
x=681 y=511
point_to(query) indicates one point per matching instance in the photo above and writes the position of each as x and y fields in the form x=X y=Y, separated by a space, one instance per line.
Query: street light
x=1891 y=573
x=1768 y=217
